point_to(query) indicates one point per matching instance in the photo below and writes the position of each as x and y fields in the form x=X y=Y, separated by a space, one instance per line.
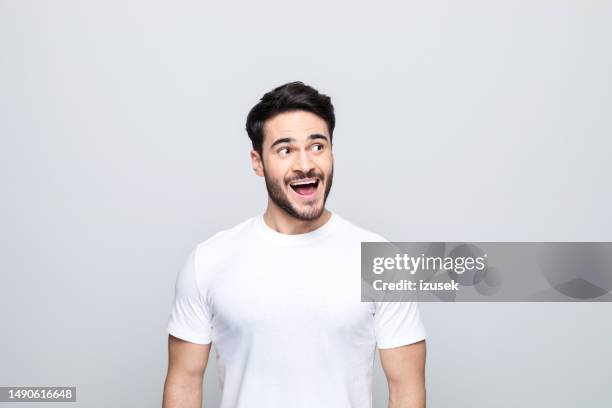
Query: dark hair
x=284 y=98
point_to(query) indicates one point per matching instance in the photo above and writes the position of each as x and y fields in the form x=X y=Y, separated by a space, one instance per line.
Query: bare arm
x=405 y=371
x=186 y=365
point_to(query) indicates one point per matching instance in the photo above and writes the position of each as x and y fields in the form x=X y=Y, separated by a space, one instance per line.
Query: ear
x=257 y=163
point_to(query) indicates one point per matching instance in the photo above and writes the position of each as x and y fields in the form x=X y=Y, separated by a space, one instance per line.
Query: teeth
x=299 y=183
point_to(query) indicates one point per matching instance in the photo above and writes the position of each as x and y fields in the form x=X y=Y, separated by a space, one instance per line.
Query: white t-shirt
x=285 y=316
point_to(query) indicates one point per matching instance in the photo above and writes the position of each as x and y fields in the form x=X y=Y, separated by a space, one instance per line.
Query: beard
x=279 y=196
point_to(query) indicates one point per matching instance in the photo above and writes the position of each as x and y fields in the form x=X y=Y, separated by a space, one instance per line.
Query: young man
x=279 y=294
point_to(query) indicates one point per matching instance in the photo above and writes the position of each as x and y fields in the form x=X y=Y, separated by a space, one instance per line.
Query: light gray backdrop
x=123 y=145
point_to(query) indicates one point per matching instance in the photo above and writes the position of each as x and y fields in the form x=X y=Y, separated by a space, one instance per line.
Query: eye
x=283 y=151
x=318 y=147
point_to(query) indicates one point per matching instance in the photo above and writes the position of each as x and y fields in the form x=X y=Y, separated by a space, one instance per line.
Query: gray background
x=123 y=145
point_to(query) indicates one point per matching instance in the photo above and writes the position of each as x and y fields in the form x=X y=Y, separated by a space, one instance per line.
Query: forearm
x=407 y=395
x=182 y=392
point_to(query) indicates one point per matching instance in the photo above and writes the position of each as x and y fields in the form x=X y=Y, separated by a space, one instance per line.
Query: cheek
x=326 y=164
x=278 y=171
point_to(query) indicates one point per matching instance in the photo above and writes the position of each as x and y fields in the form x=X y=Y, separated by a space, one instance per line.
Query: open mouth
x=305 y=187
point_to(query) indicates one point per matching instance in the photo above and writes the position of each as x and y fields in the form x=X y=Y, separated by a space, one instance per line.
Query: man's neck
x=279 y=220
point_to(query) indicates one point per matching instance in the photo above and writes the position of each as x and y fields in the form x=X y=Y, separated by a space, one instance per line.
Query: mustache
x=302 y=175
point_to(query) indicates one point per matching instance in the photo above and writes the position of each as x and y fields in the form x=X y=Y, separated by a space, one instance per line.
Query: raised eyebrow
x=282 y=140
x=318 y=136
x=290 y=139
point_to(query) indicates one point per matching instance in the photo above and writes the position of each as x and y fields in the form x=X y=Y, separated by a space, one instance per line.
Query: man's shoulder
x=225 y=239
x=356 y=230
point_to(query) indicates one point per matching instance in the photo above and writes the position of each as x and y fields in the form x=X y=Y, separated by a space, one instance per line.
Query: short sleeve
x=397 y=324
x=190 y=316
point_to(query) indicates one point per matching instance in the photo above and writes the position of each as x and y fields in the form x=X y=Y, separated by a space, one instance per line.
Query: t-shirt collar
x=320 y=232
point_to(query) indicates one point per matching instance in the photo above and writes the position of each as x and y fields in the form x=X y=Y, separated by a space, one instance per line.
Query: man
x=279 y=294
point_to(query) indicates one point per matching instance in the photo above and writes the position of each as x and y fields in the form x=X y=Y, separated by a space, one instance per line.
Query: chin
x=308 y=213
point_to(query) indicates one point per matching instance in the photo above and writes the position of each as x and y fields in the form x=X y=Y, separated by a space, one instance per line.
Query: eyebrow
x=291 y=139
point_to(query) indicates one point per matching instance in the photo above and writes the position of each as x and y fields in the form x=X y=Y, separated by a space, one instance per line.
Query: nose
x=303 y=162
